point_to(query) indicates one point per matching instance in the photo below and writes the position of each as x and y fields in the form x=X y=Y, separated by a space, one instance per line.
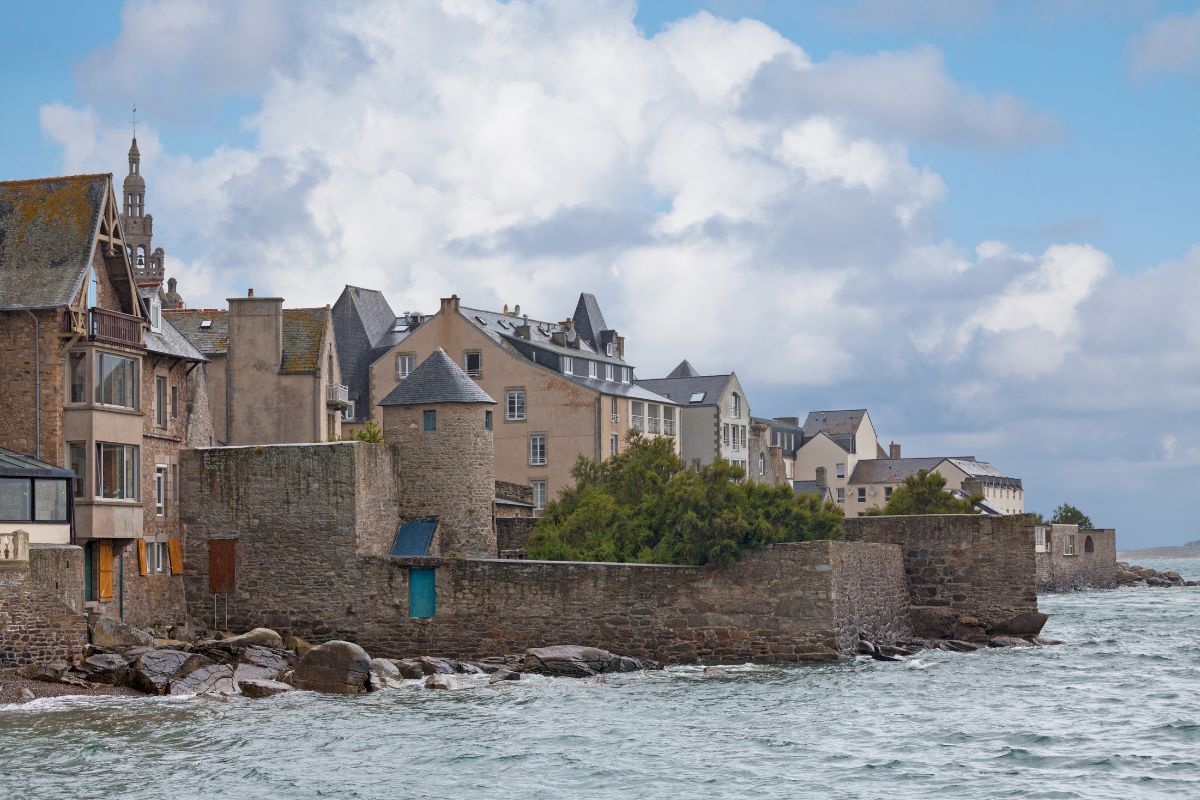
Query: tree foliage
x=1070 y=515
x=925 y=493
x=643 y=505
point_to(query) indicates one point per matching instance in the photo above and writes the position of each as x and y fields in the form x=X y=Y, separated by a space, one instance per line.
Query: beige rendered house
x=834 y=443
x=714 y=411
x=872 y=482
x=274 y=376
x=564 y=388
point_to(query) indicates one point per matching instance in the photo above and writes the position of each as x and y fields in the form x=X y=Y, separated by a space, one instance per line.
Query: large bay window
x=116 y=380
x=116 y=471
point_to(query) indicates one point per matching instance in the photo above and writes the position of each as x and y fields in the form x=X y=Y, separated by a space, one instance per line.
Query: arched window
x=1088 y=545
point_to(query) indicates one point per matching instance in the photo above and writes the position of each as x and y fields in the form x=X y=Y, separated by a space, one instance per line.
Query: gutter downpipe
x=37 y=382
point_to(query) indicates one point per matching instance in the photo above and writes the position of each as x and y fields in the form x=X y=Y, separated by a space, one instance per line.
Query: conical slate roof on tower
x=437 y=380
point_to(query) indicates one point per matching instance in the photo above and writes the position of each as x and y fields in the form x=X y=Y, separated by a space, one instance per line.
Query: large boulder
x=338 y=667
x=152 y=671
x=50 y=673
x=441 y=680
x=107 y=668
x=258 y=687
x=205 y=679
x=116 y=635
x=410 y=668
x=384 y=675
x=297 y=645
x=277 y=661
x=571 y=661
x=503 y=674
x=1027 y=623
x=436 y=666
x=262 y=637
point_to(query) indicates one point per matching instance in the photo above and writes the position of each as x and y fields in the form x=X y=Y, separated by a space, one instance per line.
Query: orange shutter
x=142 y=558
x=175 y=550
x=105 y=570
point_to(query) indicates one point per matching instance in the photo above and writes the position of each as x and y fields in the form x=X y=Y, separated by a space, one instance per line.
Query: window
x=697 y=397
x=404 y=365
x=614 y=443
x=592 y=367
x=50 y=500
x=610 y=372
x=77 y=460
x=1069 y=545
x=93 y=296
x=735 y=406
x=887 y=493
x=537 y=450
x=487 y=420
x=613 y=410
x=636 y=415
x=608 y=350
x=1088 y=545
x=430 y=418
x=116 y=380
x=160 y=491
x=568 y=365
x=15 y=500
x=841 y=470
x=669 y=420
x=348 y=411
x=539 y=494
x=160 y=401
x=116 y=471
x=473 y=361
x=155 y=315
x=77 y=374
x=652 y=417
x=725 y=434
x=762 y=464
x=625 y=374
x=862 y=494
x=515 y=404
x=1039 y=539
x=174 y=402
x=735 y=437
x=841 y=495
x=157 y=558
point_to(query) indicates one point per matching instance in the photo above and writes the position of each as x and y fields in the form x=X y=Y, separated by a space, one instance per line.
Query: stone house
x=1069 y=558
x=834 y=442
x=273 y=376
x=564 y=388
x=773 y=445
x=94 y=384
x=714 y=415
x=872 y=482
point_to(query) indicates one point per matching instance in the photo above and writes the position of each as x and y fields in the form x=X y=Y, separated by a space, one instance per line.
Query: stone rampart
x=965 y=572
x=36 y=625
x=1075 y=559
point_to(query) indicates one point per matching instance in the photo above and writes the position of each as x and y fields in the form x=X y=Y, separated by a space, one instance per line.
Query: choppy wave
x=1115 y=713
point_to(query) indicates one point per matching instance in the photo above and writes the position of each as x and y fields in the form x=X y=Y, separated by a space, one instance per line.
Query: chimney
x=450 y=304
x=821 y=480
x=894 y=450
x=620 y=347
x=256 y=330
x=523 y=331
x=250 y=292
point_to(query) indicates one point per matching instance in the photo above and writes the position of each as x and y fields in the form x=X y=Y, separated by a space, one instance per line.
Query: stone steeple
x=148 y=266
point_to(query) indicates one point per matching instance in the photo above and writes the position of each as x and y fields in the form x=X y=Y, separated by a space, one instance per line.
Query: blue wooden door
x=422 y=593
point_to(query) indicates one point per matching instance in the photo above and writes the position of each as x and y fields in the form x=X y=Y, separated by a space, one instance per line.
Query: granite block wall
x=1089 y=567
x=36 y=625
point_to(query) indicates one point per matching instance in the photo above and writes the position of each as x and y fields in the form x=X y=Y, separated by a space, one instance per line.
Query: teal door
x=422 y=593
x=89 y=571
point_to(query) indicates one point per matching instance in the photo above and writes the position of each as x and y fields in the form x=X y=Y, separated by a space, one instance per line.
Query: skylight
x=480 y=320
x=697 y=397
x=205 y=323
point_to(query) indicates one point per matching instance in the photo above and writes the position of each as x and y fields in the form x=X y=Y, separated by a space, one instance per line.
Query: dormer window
x=608 y=349
x=155 y=315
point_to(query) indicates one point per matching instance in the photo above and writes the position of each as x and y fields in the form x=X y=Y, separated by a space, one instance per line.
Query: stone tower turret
x=441 y=421
x=148 y=266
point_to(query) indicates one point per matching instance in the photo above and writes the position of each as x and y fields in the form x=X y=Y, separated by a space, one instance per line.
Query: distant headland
x=1189 y=550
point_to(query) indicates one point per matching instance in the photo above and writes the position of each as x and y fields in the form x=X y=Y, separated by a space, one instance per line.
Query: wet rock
x=865 y=648
x=959 y=646
x=435 y=666
x=409 y=668
x=504 y=675
x=715 y=671
x=107 y=668
x=170 y=644
x=1047 y=642
x=384 y=675
x=877 y=656
x=116 y=635
x=252 y=672
x=629 y=664
x=892 y=650
x=1027 y=623
x=442 y=681
x=152 y=671
x=277 y=661
x=262 y=637
x=337 y=667
x=27 y=695
x=932 y=622
x=50 y=673
x=467 y=668
x=258 y=687
x=1009 y=641
x=571 y=661
x=208 y=679
x=297 y=645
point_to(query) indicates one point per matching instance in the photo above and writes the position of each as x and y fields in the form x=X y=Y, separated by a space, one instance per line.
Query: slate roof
x=680 y=390
x=361 y=318
x=588 y=319
x=684 y=370
x=167 y=340
x=19 y=465
x=48 y=232
x=780 y=430
x=303 y=334
x=833 y=422
x=891 y=470
x=437 y=379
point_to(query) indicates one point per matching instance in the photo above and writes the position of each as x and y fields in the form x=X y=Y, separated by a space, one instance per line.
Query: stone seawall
x=37 y=625
x=965 y=572
x=1091 y=565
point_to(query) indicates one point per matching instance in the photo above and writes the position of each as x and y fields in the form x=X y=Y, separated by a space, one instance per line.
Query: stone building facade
x=1069 y=559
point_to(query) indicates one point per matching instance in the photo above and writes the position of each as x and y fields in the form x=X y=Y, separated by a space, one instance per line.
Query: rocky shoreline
x=1133 y=575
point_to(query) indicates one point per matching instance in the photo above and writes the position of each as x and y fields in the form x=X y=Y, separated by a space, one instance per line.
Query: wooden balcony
x=113 y=327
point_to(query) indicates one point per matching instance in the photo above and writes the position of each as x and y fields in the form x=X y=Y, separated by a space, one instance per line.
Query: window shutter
x=175 y=552
x=142 y=568
x=104 y=569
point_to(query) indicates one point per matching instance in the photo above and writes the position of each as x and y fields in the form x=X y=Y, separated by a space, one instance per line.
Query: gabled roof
x=48 y=230
x=684 y=370
x=501 y=327
x=891 y=470
x=167 y=340
x=303 y=334
x=437 y=379
x=361 y=320
x=833 y=422
x=707 y=388
x=588 y=319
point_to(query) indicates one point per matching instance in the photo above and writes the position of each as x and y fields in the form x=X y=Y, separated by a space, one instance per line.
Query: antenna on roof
x=134 y=119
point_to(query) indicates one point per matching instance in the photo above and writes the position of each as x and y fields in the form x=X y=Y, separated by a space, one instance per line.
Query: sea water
x=1113 y=713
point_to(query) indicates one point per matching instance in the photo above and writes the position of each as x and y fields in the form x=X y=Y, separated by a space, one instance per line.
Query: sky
x=976 y=219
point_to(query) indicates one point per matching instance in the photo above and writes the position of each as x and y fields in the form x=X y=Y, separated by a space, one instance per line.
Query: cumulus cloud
x=727 y=198
x=1169 y=44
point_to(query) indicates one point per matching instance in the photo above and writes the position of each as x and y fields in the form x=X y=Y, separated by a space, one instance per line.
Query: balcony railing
x=103 y=325
x=337 y=395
